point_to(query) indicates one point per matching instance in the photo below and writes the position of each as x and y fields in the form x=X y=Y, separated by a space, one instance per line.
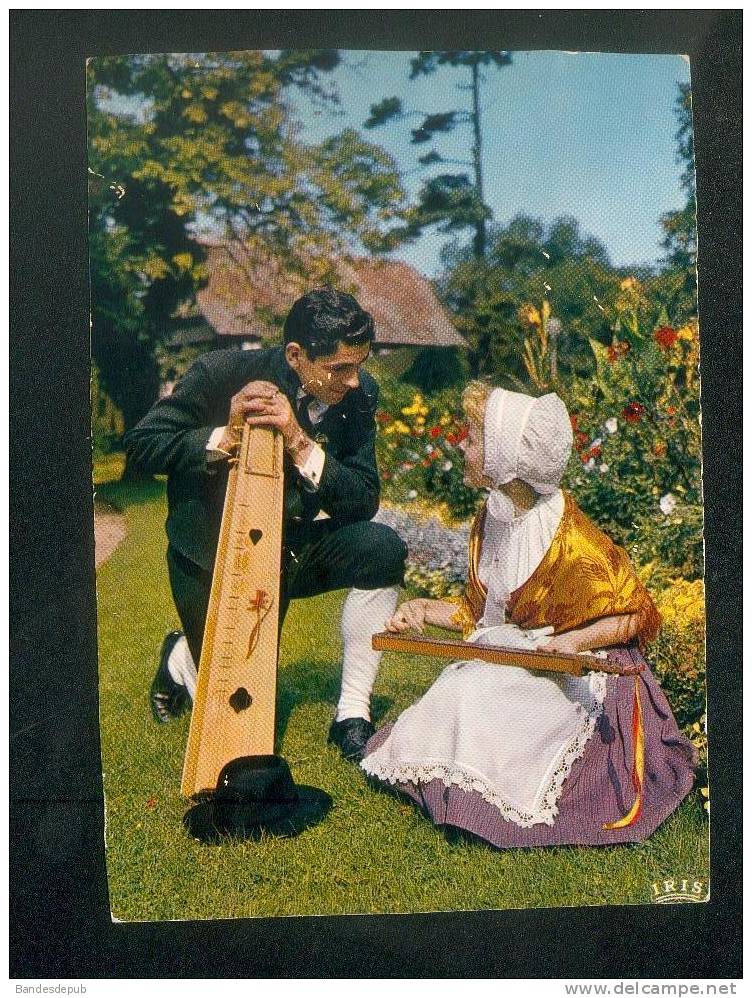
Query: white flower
x=590 y=464
x=447 y=466
x=604 y=469
x=597 y=442
x=612 y=424
x=668 y=503
x=412 y=494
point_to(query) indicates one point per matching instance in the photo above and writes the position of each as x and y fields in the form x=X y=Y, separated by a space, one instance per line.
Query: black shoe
x=168 y=699
x=350 y=736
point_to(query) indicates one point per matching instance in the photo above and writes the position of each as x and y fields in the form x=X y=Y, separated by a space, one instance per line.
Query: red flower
x=383 y=417
x=660 y=448
x=580 y=438
x=573 y=421
x=665 y=337
x=671 y=410
x=634 y=412
x=594 y=452
x=386 y=475
x=617 y=350
x=435 y=431
x=434 y=454
x=459 y=436
x=426 y=462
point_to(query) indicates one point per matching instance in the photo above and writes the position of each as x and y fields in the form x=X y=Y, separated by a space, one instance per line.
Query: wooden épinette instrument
x=574 y=665
x=234 y=709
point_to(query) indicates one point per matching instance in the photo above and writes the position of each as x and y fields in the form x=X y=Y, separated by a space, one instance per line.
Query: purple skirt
x=598 y=789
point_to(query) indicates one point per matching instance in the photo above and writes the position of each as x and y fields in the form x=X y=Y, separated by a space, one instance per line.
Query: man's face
x=330 y=378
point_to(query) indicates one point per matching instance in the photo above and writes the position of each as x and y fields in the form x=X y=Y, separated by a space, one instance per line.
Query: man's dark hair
x=324 y=318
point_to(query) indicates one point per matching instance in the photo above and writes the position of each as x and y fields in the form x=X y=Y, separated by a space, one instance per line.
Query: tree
x=528 y=263
x=678 y=283
x=451 y=201
x=207 y=145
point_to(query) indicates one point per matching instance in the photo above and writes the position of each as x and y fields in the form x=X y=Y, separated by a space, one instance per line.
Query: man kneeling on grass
x=312 y=390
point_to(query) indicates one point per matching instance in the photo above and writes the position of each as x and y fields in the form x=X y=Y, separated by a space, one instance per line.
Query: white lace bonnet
x=526 y=438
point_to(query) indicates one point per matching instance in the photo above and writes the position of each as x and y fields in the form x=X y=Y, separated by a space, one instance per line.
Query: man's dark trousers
x=363 y=555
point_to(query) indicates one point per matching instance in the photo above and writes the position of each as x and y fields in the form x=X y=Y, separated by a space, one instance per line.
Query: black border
x=60 y=922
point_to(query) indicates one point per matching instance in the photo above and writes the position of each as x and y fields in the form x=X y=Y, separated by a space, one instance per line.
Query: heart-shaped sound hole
x=241 y=700
x=255 y=535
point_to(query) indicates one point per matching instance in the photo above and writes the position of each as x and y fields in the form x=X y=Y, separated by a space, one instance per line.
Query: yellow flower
x=529 y=315
x=682 y=603
x=629 y=283
x=420 y=420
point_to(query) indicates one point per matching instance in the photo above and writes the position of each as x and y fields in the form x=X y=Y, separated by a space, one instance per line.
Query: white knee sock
x=364 y=613
x=181 y=666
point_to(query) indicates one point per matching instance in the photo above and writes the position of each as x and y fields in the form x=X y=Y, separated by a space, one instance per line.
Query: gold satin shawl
x=582 y=578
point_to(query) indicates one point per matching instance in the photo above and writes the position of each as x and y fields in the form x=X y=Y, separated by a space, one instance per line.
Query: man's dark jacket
x=171 y=439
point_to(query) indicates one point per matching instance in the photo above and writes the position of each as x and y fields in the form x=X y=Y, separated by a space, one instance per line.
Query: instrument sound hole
x=241 y=700
x=255 y=535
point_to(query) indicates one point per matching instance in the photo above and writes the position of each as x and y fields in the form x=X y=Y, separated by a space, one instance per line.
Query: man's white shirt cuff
x=213 y=450
x=312 y=469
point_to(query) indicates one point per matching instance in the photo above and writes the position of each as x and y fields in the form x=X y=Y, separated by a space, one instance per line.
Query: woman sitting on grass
x=521 y=757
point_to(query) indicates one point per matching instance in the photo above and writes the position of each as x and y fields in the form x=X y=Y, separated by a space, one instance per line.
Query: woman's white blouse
x=513 y=549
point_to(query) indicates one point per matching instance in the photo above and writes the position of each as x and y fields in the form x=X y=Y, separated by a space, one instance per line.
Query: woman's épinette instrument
x=574 y=665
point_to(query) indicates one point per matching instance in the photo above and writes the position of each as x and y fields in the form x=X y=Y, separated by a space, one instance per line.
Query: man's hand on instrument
x=261 y=403
x=410 y=615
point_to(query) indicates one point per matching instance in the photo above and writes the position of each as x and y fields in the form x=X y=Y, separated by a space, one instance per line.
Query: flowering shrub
x=678 y=653
x=636 y=465
x=433 y=584
x=419 y=453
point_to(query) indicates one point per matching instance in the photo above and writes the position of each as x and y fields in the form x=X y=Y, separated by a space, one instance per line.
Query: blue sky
x=583 y=134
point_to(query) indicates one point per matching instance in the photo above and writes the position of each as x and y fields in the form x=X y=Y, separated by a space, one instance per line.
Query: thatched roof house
x=245 y=302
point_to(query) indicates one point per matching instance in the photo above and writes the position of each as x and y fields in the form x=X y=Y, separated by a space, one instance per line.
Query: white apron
x=510 y=734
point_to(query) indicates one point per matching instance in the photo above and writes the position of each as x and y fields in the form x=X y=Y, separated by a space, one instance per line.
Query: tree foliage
x=208 y=146
x=680 y=227
x=527 y=263
x=449 y=201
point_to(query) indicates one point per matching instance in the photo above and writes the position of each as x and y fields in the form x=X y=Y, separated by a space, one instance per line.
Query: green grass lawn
x=373 y=853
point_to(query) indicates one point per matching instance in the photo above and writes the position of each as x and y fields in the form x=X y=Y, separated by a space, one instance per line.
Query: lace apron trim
x=469 y=780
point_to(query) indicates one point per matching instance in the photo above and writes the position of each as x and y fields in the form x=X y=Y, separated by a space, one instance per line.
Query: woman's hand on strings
x=566 y=644
x=409 y=616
